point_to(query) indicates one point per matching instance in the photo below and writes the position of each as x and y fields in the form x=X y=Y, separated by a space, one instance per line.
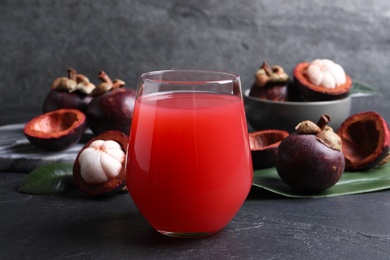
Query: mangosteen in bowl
x=265 y=114
x=319 y=87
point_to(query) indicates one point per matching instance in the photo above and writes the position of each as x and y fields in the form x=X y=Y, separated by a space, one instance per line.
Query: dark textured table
x=73 y=226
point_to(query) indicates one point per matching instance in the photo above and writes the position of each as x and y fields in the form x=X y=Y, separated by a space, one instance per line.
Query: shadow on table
x=121 y=232
x=121 y=227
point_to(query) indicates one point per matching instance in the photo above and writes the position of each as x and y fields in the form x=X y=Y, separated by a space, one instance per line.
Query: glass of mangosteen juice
x=189 y=166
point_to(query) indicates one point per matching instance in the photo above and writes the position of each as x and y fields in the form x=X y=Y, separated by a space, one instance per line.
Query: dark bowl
x=285 y=115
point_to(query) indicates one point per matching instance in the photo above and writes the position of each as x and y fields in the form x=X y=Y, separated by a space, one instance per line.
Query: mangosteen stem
x=323 y=121
x=267 y=68
x=104 y=77
x=72 y=74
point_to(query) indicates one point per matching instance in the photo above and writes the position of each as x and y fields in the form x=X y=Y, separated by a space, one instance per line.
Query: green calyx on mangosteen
x=311 y=159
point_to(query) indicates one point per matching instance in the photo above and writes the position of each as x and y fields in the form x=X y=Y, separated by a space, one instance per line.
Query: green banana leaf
x=350 y=183
x=48 y=179
x=361 y=89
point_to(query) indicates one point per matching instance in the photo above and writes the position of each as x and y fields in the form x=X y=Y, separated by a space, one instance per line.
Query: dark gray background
x=40 y=39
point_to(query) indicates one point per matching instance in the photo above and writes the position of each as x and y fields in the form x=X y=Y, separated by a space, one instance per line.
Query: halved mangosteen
x=317 y=92
x=263 y=145
x=99 y=168
x=56 y=130
x=365 y=140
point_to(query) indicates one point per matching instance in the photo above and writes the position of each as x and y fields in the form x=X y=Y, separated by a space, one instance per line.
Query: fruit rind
x=55 y=100
x=365 y=140
x=111 y=111
x=264 y=145
x=56 y=130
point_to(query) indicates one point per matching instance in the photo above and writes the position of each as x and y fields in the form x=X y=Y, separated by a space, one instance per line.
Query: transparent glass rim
x=230 y=76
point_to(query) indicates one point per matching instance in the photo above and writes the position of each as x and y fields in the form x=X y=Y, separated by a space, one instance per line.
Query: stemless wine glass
x=189 y=166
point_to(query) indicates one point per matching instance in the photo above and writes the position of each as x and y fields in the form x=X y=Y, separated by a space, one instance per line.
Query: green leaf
x=48 y=179
x=360 y=89
x=350 y=183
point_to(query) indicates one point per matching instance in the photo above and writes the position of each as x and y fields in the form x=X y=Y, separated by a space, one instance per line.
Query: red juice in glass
x=189 y=167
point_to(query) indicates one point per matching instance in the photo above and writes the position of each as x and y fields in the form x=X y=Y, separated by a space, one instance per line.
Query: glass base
x=186 y=234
